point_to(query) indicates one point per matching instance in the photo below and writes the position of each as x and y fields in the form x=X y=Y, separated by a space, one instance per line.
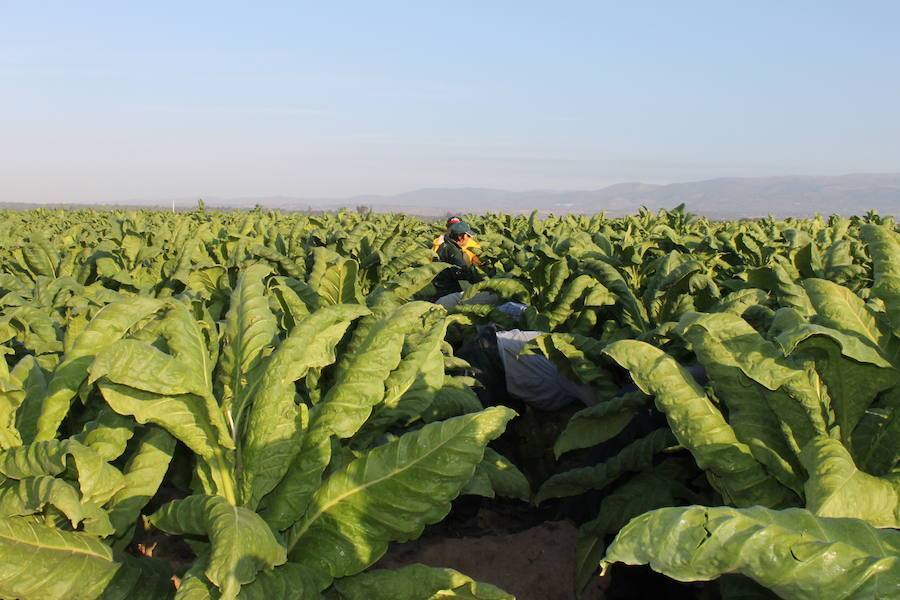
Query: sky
x=118 y=101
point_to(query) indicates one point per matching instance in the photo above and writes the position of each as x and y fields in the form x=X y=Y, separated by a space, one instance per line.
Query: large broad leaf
x=504 y=288
x=334 y=278
x=657 y=488
x=360 y=381
x=108 y=434
x=415 y=582
x=876 y=440
x=30 y=379
x=42 y=562
x=636 y=456
x=185 y=417
x=795 y=395
x=793 y=552
x=139 y=579
x=738 y=302
x=789 y=294
x=839 y=308
x=599 y=423
x=289 y=581
x=634 y=315
x=411 y=281
x=854 y=371
x=30 y=495
x=699 y=426
x=144 y=473
x=391 y=493
x=288 y=501
x=106 y=327
x=505 y=479
x=885 y=250
x=837 y=488
x=249 y=328
x=241 y=542
x=152 y=374
x=274 y=425
x=97 y=479
x=189 y=344
x=11 y=396
x=768 y=421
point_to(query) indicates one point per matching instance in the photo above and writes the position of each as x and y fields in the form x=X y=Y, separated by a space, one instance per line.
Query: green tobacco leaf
x=839 y=308
x=98 y=480
x=289 y=581
x=108 y=434
x=636 y=456
x=140 y=579
x=42 y=562
x=391 y=493
x=837 y=488
x=776 y=280
x=854 y=372
x=479 y=485
x=506 y=480
x=360 y=382
x=150 y=373
x=30 y=495
x=144 y=473
x=505 y=288
x=699 y=426
x=288 y=501
x=274 y=425
x=33 y=383
x=792 y=552
x=249 y=328
x=596 y=424
x=412 y=387
x=453 y=399
x=188 y=344
x=241 y=542
x=426 y=351
x=876 y=440
x=412 y=281
x=656 y=488
x=738 y=302
x=110 y=324
x=725 y=343
x=185 y=417
x=634 y=315
x=415 y=582
x=12 y=395
x=584 y=290
x=885 y=250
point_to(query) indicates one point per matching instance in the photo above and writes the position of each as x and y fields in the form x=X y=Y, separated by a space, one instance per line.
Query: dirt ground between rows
x=535 y=564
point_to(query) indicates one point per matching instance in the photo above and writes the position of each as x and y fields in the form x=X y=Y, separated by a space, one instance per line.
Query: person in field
x=453 y=251
x=468 y=249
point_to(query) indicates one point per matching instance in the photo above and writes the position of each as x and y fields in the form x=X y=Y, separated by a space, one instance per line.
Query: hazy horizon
x=106 y=102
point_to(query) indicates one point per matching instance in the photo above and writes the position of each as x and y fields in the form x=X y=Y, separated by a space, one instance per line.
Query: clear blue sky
x=109 y=101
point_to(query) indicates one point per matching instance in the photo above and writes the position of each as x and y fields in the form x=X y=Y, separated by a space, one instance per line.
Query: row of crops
x=275 y=393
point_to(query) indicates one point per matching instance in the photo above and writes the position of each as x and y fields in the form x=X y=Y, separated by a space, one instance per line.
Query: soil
x=535 y=564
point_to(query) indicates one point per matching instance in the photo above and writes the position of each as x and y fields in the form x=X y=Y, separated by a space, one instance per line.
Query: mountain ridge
x=724 y=197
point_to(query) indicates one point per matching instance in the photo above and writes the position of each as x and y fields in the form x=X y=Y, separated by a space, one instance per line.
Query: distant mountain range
x=724 y=198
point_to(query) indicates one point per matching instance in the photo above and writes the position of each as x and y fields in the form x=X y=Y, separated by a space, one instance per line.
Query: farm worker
x=467 y=249
x=451 y=252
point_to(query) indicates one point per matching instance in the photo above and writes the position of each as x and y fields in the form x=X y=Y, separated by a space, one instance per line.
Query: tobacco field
x=272 y=398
